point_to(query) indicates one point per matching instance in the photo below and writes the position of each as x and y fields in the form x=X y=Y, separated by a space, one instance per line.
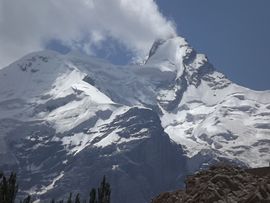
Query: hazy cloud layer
x=27 y=25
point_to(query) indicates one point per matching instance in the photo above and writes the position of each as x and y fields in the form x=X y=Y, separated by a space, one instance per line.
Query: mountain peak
x=68 y=116
x=163 y=49
x=170 y=55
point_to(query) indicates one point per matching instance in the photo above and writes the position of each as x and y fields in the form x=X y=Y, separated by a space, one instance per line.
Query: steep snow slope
x=70 y=119
x=206 y=111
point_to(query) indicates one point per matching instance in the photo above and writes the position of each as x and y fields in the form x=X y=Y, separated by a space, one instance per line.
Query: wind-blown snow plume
x=28 y=25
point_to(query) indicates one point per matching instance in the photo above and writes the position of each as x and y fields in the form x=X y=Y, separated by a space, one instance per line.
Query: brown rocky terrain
x=223 y=184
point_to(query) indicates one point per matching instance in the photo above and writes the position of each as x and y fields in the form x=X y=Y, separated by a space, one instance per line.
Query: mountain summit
x=67 y=120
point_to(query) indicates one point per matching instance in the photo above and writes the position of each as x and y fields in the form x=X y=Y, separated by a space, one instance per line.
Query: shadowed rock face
x=223 y=184
x=141 y=164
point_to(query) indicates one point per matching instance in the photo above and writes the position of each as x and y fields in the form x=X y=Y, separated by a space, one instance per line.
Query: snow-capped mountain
x=67 y=120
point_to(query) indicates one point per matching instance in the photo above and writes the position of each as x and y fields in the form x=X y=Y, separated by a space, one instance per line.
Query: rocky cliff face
x=222 y=184
x=67 y=120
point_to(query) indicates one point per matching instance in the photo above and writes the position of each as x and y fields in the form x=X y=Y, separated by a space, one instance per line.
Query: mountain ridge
x=58 y=110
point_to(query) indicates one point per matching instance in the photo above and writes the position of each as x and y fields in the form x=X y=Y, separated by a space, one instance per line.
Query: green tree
x=27 y=199
x=77 y=199
x=93 y=198
x=69 y=198
x=104 y=192
x=8 y=188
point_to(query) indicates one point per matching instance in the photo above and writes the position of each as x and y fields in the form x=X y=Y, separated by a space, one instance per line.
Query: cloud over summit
x=27 y=25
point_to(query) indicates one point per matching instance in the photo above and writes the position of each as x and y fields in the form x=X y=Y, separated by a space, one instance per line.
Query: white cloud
x=26 y=25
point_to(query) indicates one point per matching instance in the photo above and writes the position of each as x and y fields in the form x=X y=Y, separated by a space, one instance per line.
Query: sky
x=233 y=34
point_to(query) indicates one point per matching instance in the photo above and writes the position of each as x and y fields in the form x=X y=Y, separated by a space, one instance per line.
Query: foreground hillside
x=223 y=184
